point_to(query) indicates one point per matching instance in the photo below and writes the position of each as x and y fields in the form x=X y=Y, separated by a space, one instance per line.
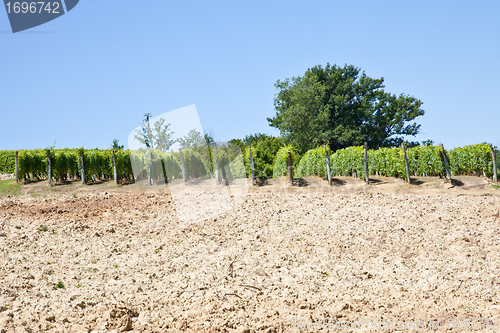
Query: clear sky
x=89 y=76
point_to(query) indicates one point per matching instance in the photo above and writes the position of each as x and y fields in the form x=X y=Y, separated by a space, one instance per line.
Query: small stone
x=182 y=325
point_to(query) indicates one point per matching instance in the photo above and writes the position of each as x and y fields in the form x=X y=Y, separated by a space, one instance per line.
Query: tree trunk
x=150 y=181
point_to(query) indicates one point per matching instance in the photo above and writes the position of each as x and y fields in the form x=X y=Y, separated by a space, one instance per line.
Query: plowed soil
x=106 y=258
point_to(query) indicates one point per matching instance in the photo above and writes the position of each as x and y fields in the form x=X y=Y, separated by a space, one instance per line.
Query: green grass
x=42 y=227
x=9 y=187
x=495 y=186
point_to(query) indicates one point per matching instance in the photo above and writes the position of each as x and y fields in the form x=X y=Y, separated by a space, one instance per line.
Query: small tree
x=160 y=136
x=164 y=136
x=116 y=145
x=192 y=140
x=428 y=142
x=145 y=134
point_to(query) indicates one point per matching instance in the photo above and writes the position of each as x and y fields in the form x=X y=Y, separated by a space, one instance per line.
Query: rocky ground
x=106 y=258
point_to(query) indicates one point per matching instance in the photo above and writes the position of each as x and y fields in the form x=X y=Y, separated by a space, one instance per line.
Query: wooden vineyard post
x=494 y=157
x=217 y=166
x=290 y=169
x=150 y=174
x=367 y=180
x=406 y=164
x=17 y=167
x=328 y=169
x=252 y=180
x=50 y=167
x=164 y=171
x=182 y=165
x=446 y=165
x=115 y=175
x=82 y=166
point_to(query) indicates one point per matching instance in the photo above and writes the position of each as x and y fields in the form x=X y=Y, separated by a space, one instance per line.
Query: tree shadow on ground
x=416 y=182
x=96 y=182
x=262 y=181
x=338 y=182
x=300 y=182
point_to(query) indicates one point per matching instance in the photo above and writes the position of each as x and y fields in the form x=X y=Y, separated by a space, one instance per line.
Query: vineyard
x=473 y=160
x=200 y=163
x=66 y=164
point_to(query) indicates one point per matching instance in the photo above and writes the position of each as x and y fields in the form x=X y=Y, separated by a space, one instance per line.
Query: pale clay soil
x=7 y=176
x=383 y=251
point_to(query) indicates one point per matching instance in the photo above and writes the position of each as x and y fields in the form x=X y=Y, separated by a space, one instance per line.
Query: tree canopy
x=160 y=136
x=116 y=145
x=342 y=106
x=193 y=139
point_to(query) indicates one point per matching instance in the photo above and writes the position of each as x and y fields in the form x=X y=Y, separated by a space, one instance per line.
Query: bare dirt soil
x=107 y=258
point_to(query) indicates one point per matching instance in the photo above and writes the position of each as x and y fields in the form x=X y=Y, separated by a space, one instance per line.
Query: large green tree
x=342 y=106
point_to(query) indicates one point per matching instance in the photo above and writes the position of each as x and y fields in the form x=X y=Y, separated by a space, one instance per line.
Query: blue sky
x=89 y=76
